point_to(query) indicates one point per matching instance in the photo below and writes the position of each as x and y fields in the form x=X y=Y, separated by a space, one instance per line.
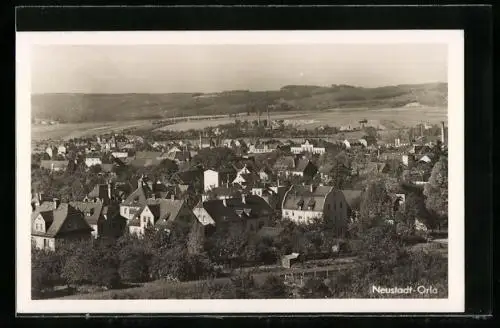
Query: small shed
x=288 y=260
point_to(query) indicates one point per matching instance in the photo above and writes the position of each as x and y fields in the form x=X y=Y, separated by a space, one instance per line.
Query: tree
x=215 y=158
x=273 y=287
x=315 y=288
x=134 y=261
x=436 y=191
x=376 y=205
x=45 y=270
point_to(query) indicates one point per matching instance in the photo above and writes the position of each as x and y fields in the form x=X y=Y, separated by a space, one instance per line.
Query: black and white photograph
x=241 y=171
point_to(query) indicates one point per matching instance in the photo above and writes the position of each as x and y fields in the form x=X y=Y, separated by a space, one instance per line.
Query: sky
x=214 y=68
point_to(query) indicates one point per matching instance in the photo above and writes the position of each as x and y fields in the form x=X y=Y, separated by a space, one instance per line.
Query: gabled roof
x=284 y=163
x=65 y=218
x=91 y=210
x=235 y=209
x=100 y=191
x=352 y=197
x=301 y=165
x=303 y=196
x=138 y=197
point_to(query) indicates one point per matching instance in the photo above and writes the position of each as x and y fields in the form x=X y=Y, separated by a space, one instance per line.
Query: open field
x=387 y=119
x=200 y=124
x=76 y=130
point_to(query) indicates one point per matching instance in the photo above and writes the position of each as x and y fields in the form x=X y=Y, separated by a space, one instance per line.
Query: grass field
x=390 y=118
x=76 y=130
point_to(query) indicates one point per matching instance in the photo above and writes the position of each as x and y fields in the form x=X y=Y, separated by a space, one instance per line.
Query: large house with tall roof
x=308 y=147
x=306 y=203
x=105 y=220
x=290 y=165
x=159 y=214
x=62 y=222
x=247 y=213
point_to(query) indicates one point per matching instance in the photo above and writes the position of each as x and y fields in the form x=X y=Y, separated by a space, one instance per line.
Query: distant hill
x=66 y=107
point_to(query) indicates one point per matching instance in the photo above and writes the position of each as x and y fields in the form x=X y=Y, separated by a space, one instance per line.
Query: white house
x=303 y=204
x=119 y=154
x=61 y=150
x=214 y=179
x=49 y=151
x=158 y=214
x=307 y=147
x=91 y=161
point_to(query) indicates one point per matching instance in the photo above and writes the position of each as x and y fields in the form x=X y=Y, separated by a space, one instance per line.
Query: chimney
x=224 y=202
x=442 y=132
x=56 y=203
x=109 y=190
x=311 y=188
x=172 y=197
x=243 y=198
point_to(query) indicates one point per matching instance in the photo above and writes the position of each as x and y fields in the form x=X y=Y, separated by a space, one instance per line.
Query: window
x=45 y=243
x=300 y=217
x=125 y=210
x=327 y=206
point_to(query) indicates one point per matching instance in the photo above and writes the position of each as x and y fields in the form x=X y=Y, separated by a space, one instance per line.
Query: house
x=189 y=177
x=136 y=200
x=105 y=220
x=61 y=150
x=119 y=154
x=62 y=223
x=222 y=192
x=262 y=148
x=214 y=179
x=159 y=214
x=243 y=214
x=350 y=143
x=308 y=147
x=49 y=152
x=271 y=194
x=54 y=166
x=179 y=157
x=93 y=160
x=289 y=165
x=325 y=172
x=246 y=179
x=206 y=143
x=265 y=174
x=346 y=205
x=303 y=204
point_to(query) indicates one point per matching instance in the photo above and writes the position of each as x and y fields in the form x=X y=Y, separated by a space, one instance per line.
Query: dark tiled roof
x=65 y=218
x=285 y=163
x=301 y=165
x=353 y=198
x=138 y=197
x=302 y=195
x=235 y=209
x=91 y=210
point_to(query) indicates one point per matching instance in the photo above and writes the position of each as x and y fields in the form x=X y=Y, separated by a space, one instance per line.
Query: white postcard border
x=456 y=291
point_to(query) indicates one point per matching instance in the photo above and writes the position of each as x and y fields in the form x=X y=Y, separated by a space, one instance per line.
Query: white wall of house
x=119 y=154
x=301 y=216
x=91 y=161
x=211 y=179
x=128 y=212
x=44 y=242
